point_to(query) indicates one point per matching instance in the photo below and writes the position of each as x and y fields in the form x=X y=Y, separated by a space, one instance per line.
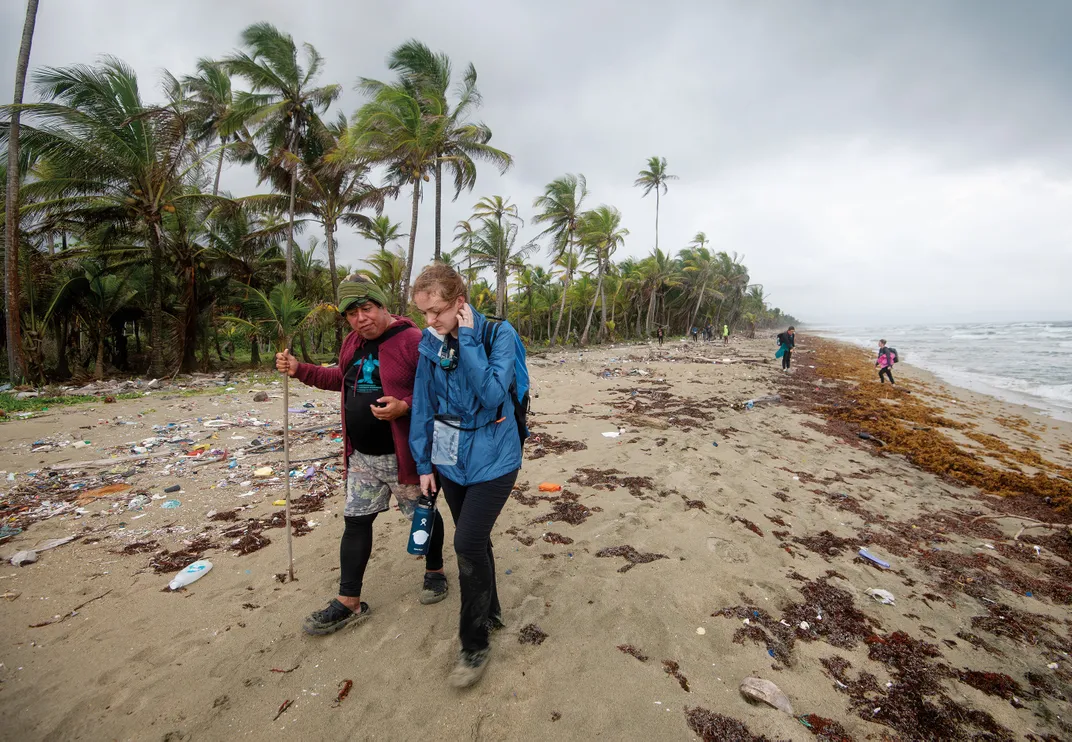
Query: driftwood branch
x=1028 y=523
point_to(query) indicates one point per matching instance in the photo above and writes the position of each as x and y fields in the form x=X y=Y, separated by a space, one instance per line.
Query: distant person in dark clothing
x=661 y=334
x=886 y=358
x=786 y=343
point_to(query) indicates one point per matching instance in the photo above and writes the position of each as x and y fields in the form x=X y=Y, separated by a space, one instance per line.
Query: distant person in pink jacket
x=886 y=358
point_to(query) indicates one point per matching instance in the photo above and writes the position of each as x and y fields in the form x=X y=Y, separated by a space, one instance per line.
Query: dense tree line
x=131 y=257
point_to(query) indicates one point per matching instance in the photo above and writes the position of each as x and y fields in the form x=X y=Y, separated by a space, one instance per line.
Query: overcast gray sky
x=874 y=162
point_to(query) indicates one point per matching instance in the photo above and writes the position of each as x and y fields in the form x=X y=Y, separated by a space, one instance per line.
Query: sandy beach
x=707 y=541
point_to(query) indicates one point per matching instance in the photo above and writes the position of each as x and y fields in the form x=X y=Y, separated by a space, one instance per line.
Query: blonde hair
x=440 y=278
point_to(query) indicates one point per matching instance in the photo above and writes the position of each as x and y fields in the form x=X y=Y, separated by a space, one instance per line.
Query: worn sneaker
x=336 y=616
x=469 y=668
x=435 y=588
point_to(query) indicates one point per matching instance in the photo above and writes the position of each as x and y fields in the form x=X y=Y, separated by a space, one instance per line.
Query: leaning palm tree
x=395 y=129
x=463 y=235
x=332 y=187
x=654 y=179
x=560 y=206
x=459 y=143
x=211 y=103
x=381 y=230
x=601 y=234
x=282 y=102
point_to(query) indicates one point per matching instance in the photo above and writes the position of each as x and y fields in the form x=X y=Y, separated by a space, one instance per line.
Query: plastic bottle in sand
x=191 y=574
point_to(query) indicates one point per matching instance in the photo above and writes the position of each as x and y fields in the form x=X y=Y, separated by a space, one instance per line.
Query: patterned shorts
x=370 y=482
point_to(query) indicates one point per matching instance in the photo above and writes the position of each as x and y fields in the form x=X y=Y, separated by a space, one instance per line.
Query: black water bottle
x=421 y=531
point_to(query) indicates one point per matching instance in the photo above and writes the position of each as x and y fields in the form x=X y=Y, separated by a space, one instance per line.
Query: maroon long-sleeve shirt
x=398 y=368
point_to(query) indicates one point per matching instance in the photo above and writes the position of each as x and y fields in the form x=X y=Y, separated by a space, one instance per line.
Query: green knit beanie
x=357 y=289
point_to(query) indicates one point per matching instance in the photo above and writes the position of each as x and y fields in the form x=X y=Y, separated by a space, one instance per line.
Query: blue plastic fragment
x=873 y=559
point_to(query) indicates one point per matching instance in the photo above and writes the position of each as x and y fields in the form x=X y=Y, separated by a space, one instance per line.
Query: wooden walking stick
x=286 y=459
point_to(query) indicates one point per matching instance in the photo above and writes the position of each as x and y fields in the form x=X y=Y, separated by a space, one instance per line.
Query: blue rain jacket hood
x=489 y=445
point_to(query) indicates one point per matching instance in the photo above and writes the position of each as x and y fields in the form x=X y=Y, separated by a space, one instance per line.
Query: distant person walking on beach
x=660 y=333
x=725 y=334
x=786 y=343
x=695 y=332
x=465 y=431
x=377 y=365
x=886 y=358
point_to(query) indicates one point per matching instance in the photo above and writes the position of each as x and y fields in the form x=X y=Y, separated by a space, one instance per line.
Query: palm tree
x=282 y=100
x=211 y=102
x=560 y=207
x=493 y=247
x=98 y=293
x=111 y=161
x=388 y=269
x=654 y=178
x=458 y=143
x=13 y=304
x=601 y=234
x=701 y=267
x=464 y=234
x=332 y=188
x=659 y=271
x=497 y=208
x=395 y=129
x=381 y=230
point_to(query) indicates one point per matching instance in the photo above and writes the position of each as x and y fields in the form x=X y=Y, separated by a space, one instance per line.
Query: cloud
x=869 y=159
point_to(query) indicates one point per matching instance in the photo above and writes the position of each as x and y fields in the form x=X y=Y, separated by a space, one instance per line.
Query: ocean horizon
x=1028 y=363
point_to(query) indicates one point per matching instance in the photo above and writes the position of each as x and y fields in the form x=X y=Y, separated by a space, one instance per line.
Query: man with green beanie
x=377 y=366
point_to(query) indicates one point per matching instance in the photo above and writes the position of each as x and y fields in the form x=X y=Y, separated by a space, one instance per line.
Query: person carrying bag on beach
x=467 y=431
x=886 y=358
x=377 y=366
x=786 y=343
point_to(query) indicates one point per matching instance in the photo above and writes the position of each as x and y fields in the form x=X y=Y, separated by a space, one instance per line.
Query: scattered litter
x=550 y=487
x=612 y=434
x=24 y=557
x=171 y=504
x=344 y=690
x=1052 y=665
x=804 y=625
x=873 y=559
x=283 y=707
x=881 y=596
x=137 y=503
x=191 y=574
x=701 y=630
x=764 y=691
x=262 y=472
x=279 y=503
x=173 y=488
x=80 y=444
x=52 y=543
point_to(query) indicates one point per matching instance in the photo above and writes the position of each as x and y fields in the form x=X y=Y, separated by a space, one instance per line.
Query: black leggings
x=475 y=508
x=356 y=548
x=786 y=358
x=885 y=372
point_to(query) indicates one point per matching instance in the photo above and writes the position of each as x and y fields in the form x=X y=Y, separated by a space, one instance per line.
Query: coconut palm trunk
x=329 y=235
x=412 y=244
x=438 y=209
x=592 y=309
x=565 y=288
x=156 y=314
x=219 y=168
x=11 y=224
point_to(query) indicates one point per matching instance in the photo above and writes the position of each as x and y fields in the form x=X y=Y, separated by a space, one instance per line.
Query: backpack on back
x=519 y=389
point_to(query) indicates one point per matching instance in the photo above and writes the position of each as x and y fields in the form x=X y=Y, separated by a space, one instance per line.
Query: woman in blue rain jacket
x=463 y=430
